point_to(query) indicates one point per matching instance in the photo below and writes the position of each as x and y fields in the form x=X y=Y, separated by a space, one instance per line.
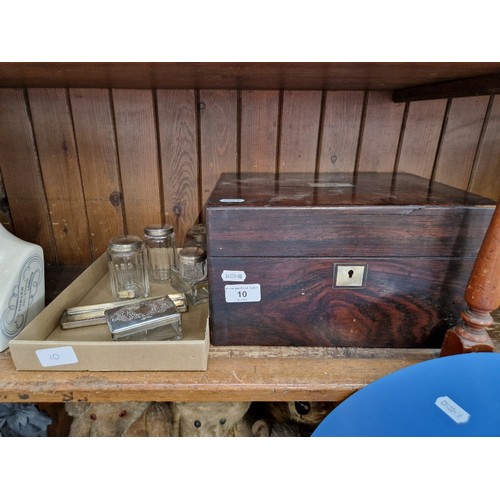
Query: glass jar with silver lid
x=193 y=264
x=196 y=236
x=190 y=277
x=160 y=247
x=127 y=267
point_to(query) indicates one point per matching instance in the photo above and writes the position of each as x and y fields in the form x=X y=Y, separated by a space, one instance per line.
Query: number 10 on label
x=242 y=293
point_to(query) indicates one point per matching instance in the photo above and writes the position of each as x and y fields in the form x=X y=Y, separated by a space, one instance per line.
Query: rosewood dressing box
x=369 y=260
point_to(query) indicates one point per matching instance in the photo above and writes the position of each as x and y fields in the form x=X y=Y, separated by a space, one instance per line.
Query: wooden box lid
x=339 y=215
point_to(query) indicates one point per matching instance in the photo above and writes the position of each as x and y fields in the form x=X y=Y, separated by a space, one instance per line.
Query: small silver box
x=149 y=319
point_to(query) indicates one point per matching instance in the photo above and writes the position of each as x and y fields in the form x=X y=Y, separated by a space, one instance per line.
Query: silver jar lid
x=126 y=243
x=191 y=255
x=157 y=230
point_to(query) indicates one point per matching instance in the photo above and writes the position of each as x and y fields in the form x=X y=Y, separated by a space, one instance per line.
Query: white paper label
x=57 y=356
x=233 y=275
x=455 y=412
x=231 y=200
x=242 y=293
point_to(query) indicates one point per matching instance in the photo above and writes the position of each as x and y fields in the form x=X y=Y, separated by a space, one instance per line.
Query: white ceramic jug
x=22 y=285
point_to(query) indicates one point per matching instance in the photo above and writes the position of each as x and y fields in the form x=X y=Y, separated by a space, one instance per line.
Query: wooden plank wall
x=79 y=166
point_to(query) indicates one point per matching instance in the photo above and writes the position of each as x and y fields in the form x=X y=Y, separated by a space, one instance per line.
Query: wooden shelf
x=239 y=75
x=234 y=373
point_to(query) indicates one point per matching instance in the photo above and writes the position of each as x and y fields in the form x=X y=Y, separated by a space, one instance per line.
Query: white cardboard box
x=44 y=345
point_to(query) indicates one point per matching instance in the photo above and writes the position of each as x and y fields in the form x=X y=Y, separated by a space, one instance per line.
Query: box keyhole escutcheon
x=349 y=275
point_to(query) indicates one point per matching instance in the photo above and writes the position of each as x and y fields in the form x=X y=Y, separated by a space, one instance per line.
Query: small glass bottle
x=190 y=277
x=193 y=264
x=196 y=235
x=160 y=250
x=127 y=267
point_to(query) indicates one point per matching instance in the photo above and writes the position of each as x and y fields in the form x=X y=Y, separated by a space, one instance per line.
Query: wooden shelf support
x=467 y=87
x=482 y=297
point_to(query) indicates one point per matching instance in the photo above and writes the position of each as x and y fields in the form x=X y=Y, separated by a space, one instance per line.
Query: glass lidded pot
x=160 y=248
x=127 y=267
x=192 y=264
x=196 y=236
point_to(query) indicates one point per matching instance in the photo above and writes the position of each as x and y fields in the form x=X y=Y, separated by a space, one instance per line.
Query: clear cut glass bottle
x=160 y=247
x=193 y=264
x=190 y=276
x=127 y=267
x=196 y=236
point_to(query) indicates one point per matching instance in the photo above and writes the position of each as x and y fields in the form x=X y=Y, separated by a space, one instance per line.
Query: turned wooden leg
x=482 y=296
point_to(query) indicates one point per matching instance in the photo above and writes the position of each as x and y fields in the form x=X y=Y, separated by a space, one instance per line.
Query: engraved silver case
x=157 y=319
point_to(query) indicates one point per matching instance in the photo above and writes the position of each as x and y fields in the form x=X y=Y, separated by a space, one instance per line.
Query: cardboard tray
x=44 y=345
